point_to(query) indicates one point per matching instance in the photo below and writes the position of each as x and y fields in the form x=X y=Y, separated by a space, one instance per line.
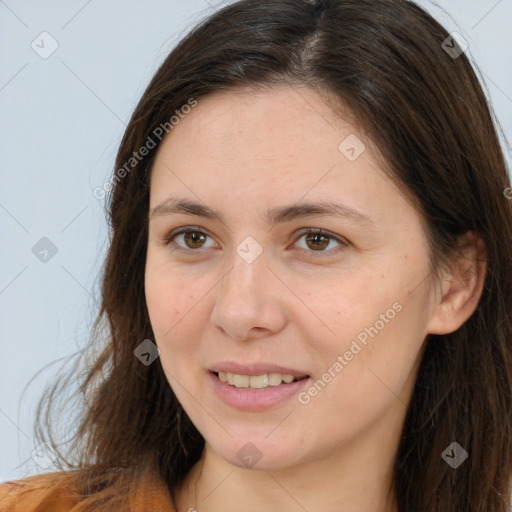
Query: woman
x=309 y=283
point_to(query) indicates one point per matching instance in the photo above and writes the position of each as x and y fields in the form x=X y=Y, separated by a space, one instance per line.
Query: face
x=254 y=280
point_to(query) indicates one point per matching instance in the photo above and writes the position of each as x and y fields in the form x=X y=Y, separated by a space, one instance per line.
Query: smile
x=256 y=392
x=256 y=381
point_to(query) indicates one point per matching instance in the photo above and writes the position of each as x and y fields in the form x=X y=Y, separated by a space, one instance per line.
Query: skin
x=242 y=153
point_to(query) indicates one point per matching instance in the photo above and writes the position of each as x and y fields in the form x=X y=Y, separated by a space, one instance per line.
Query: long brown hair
x=426 y=112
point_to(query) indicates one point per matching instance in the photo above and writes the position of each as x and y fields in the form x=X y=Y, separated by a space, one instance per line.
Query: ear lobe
x=462 y=287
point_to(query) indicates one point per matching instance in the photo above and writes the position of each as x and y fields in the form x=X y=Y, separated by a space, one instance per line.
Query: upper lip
x=255 y=369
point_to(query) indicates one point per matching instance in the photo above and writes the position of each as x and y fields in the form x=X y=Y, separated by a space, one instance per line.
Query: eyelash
x=306 y=231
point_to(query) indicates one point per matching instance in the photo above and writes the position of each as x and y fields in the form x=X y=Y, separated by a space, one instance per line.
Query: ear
x=461 y=287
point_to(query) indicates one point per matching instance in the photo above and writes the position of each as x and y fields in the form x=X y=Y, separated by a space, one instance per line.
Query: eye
x=317 y=240
x=191 y=237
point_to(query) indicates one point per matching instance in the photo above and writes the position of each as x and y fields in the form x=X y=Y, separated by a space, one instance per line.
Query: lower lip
x=250 y=399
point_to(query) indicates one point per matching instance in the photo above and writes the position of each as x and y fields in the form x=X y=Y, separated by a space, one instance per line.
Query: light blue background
x=62 y=119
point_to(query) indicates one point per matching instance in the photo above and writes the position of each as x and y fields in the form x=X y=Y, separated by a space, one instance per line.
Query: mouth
x=262 y=381
x=256 y=387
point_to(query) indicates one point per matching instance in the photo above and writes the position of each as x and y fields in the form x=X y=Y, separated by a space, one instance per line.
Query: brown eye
x=194 y=239
x=187 y=238
x=317 y=241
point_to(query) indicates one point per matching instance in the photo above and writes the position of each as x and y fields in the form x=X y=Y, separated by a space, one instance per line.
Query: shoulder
x=41 y=493
x=59 y=492
x=7 y=488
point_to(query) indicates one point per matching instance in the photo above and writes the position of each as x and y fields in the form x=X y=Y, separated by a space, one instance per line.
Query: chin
x=258 y=452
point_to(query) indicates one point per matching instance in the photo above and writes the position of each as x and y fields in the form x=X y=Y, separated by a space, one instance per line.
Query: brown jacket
x=53 y=492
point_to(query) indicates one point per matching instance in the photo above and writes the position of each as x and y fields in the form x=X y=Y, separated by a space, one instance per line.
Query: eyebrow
x=275 y=216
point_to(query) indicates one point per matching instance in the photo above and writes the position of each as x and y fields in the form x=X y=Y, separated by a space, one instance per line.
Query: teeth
x=258 y=381
x=255 y=381
x=241 y=381
x=274 y=379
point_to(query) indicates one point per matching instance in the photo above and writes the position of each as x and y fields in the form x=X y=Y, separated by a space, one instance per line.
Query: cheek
x=173 y=311
x=174 y=322
x=374 y=326
x=349 y=309
x=167 y=298
x=377 y=361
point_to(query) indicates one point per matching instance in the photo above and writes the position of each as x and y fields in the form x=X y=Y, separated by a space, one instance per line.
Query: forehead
x=281 y=143
x=289 y=128
x=276 y=119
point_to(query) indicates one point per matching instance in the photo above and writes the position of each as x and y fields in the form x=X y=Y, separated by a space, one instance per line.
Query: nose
x=250 y=301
